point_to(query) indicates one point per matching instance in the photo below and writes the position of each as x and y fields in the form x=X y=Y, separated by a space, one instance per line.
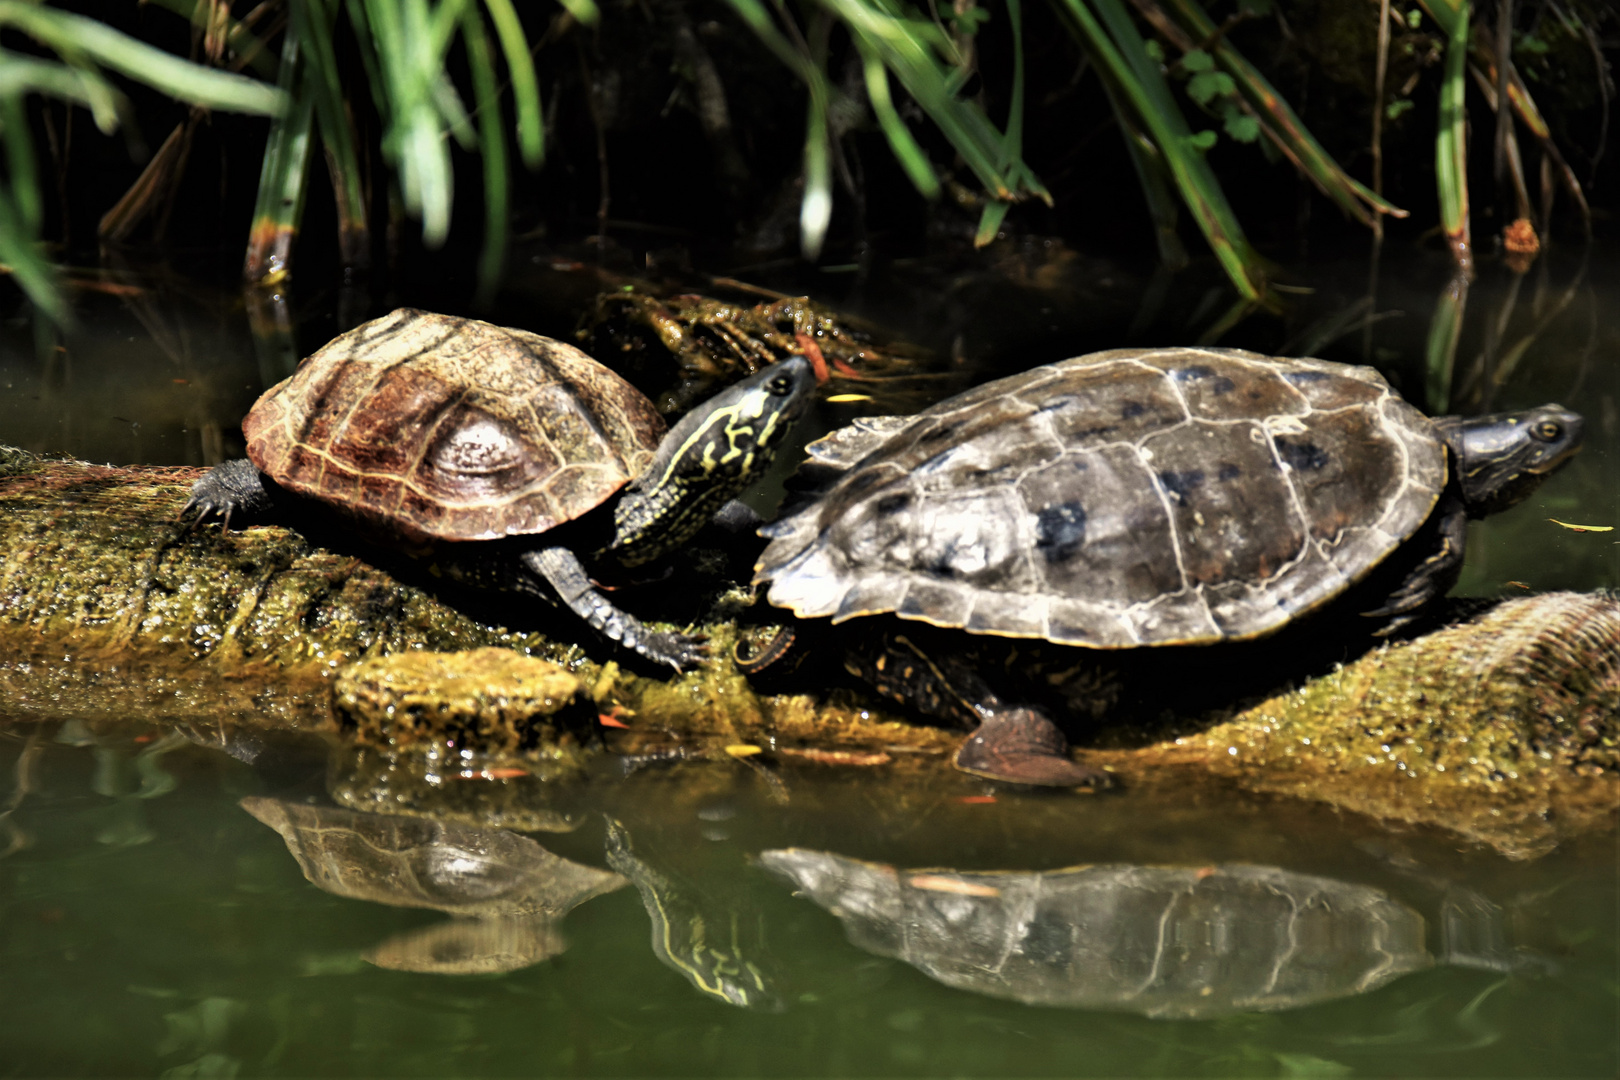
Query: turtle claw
x=1021 y=746
x=228 y=488
x=683 y=652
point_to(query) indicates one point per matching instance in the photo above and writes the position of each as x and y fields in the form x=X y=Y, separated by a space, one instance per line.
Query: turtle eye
x=1549 y=431
x=781 y=386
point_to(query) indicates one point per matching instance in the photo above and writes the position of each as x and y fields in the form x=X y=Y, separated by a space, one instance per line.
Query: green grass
x=1176 y=82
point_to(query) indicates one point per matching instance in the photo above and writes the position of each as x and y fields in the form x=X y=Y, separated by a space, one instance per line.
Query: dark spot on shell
x=1307 y=376
x=939 y=434
x=1132 y=410
x=1048 y=941
x=1181 y=484
x=1302 y=456
x=1222 y=385
x=893 y=504
x=1228 y=471
x=1060 y=531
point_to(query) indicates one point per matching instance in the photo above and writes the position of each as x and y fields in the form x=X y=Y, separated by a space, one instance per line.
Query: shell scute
x=1098 y=529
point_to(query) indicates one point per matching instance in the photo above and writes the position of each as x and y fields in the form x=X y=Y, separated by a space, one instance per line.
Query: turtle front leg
x=561 y=568
x=1432 y=578
x=230 y=488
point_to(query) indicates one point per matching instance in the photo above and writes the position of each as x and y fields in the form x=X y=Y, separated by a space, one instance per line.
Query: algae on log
x=1504 y=727
x=111 y=609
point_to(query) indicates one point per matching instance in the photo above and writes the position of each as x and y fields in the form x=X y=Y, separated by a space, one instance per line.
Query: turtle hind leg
x=1020 y=745
x=561 y=568
x=231 y=489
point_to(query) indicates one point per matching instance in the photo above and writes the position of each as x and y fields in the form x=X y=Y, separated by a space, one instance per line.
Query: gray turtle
x=1140 y=498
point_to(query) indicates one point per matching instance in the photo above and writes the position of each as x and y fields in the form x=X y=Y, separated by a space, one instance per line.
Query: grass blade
x=249 y=48
x=995 y=212
x=80 y=39
x=525 y=87
x=1123 y=54
x=1524 y=107
x=21 y=166
x=311 y=22
x=1156 y=182
x=1191 y=28
x=283 y=177
x=26 y=74
x=815 y=211
x=584 y=10
x=27 y=266
x=1451 y=144
x=901 y=143
x=492 y=144
x=1440 y=351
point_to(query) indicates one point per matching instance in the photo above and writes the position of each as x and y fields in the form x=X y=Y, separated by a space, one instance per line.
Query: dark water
x=151 y=925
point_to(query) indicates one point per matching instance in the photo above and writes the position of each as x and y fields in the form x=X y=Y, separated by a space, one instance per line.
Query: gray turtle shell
x=1124 y=498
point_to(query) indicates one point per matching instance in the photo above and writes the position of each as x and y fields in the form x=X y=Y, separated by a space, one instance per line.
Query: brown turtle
x=470 y=442
x=1137 y=498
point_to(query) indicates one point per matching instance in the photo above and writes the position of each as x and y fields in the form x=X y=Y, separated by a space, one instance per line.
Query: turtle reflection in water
x=716 y=946
x=1162 y=941
x=1135 y=499
x=508 y=891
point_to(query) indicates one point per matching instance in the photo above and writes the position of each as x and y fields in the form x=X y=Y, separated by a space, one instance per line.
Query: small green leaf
x=1241 y=126
x=1155 y=51
x=1395 y=108
x=1202 y=140
x=1414 y=18
x=1198 y=60
x=1209 y=85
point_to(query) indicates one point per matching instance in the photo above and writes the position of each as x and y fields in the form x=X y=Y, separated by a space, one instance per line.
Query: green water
x=150 y=926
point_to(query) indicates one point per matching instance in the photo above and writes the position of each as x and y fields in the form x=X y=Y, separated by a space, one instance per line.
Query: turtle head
x=1503 y=457
x=716 y=451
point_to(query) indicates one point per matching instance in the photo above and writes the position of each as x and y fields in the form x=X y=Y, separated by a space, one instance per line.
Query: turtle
x=470 y=443
x=1138 y=498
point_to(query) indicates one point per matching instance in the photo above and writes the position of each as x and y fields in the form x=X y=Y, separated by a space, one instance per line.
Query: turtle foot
x=683 y=652
x=232 y=488
x=1020 y=746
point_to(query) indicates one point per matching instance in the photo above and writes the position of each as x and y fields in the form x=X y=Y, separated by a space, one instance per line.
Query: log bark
x=1504 y=727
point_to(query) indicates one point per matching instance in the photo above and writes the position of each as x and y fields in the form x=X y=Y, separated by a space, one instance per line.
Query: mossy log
x=1504 y=727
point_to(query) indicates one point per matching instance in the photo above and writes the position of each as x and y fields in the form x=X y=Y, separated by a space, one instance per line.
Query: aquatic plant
x=436 y=75
x=87 y=52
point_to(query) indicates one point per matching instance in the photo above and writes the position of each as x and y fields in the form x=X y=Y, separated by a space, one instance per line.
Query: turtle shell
x=1125 y=498
x=437 y=427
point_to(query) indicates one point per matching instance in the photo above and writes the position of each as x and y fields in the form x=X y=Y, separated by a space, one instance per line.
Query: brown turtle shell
x=1125 y=498
x=442 y=428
